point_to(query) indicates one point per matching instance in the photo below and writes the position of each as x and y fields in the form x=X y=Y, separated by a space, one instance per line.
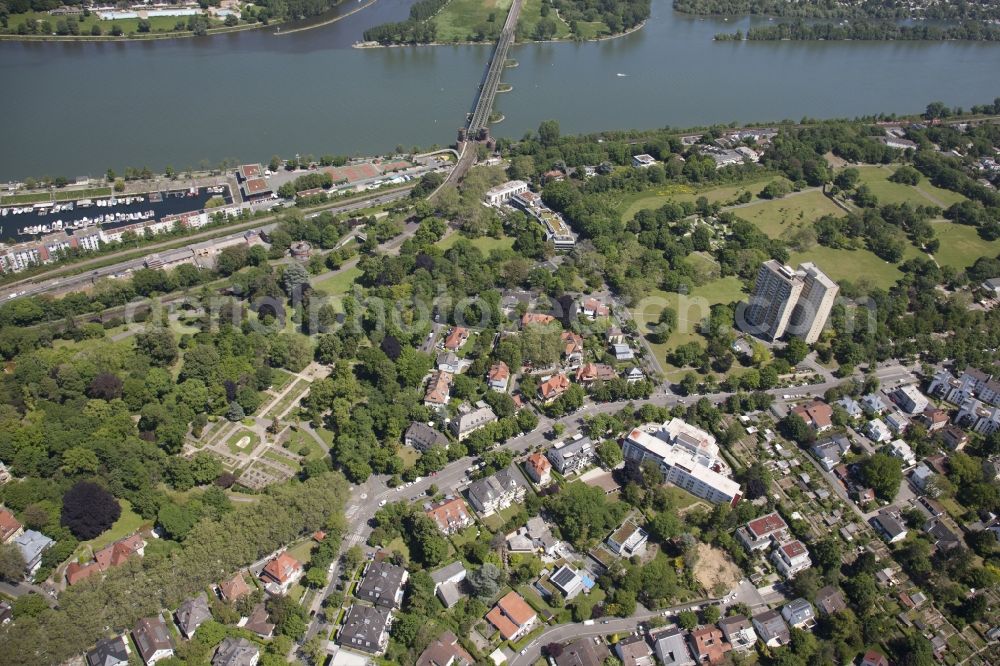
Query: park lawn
x=703 y=264
x=776 y=216
x=128 y=522
x=239 y=435
x=274 y=456
x=486 y=244
x=961 y=245
x=531 y=14
x=158 y=24
x=680 y=498
x=302 y=551
x=339 y=283
x=458 y=20
x=302 y=438
x=280 y=379
x=592 y=29
x=409 y=456
x=399 y=545
x=696 y=308
x=922 y=194
x=296 y=392
x=657 y=197
x=853 y=265
x=495 y=521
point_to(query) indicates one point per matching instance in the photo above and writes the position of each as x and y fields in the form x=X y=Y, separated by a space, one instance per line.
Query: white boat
x=620 y=75
x=84 y=203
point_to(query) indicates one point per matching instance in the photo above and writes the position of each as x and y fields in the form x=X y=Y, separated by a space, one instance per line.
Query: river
x=76 y=109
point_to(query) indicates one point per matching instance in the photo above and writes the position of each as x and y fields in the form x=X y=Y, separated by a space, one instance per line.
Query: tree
x=294 y=278
x=235 y=412
x=883 y=474
x=158 y=345
x=711 y=614
x=795 y=428
x=548 y=132
x=11 y=563
x=610 y=454
x=688 y=620
x=88 y=510
x=485 y=581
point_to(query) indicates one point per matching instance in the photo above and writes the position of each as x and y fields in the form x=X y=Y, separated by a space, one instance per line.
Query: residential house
x=851 y=406
x=447 y=583
x=10 y=527
x=623 y=352
x=451 y=363
x=536 y=319
x=112 y=555
x=450 y=514
x=643 y=161
x=572 y=455
x=236 y=652
x=32 y=544
x=900 y=449
x=738 y=631
x=152 y=638
x=830 y=600
x=569 y=581
x=497 y=492
x=877 y=431
x=760 y=533
x=791 y=558
x=259 y=623
x=671 y=648
x=594 y=308
x=634 y=651
x=456 y=338
x=281 y=573
x=889 y=524
x=634 y=375
x=589 y=373
x=873 y=658
x=533 y=537
x=365 y=628
x=627 y=540
x=552 y=388
x=438 y=390
x=909 y=399
x=614 y=336
x=470 y=419
x=696 y=472
x=383 y=584
x=897 y=421
x=954 y=437
x=572 y=349
x=830 y=451
x=933 y=419
x=708 y=644
x=771 y=628
x=921 y=476
x=539 y=469
x=445 y=651
x=817 y=414
x=583 y=652
x=421 y=437
x=498 y=377
x=109 y=652
x=873 y=404
x=234 y=588
x=941 y=536
x=799 y=614
x=191 y=614
x=512 y=616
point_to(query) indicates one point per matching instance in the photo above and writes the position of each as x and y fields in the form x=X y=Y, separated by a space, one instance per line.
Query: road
x=73 y=282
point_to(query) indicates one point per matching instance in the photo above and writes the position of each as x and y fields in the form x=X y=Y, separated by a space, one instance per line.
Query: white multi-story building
x=791 y=558
x=503 y=193
x=814 y=304
x=681 y=467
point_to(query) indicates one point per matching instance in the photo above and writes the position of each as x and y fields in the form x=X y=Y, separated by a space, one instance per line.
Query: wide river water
x=78 y=108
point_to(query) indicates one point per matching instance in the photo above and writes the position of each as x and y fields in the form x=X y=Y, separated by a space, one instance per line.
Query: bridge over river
x=477 y=125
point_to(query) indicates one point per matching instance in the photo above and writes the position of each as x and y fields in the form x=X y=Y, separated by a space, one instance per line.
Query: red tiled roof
x=439 y=388
x=761 y=527
x=256 y=186
x=8 y=525
x=536 y=318
x=499 y=372
x=112 y=555
x=793 y=549
x=539 y=463
x=448 y=513
x=282 y=568
x=573 y=342
x=590 y=372
x=234 y=588
x=510 y=614
x=817 y=414
x=456 y=338
x=554 y=386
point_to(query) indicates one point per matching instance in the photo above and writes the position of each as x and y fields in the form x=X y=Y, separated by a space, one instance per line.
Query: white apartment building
x=790 y=301
x=502 y=193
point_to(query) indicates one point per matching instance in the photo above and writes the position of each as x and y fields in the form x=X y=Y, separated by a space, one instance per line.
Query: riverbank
x=330 y=21
x=604 y=38
x=138 y=37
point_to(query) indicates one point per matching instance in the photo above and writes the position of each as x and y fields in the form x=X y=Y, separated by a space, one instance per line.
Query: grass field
x=158 y=24
x=297 y=390
x=300 y=438
x=923 y=194
x=126 y=524
x=238 y=436
x=531 y=14
x=652 y=199
x=409 y=455
x=776 y=216
x=485 y=243
x=340 y=283
x=853 y=265
x=961 y=245
x=459 y=20
x=302 y=551
x=692 y=309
